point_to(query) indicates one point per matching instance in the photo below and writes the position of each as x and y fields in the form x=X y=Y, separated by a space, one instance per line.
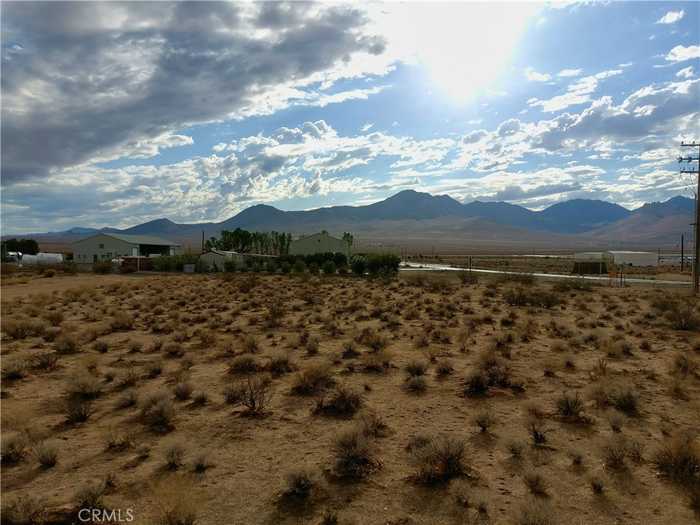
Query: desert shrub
x=154 y=369
x=515 y=448
x=615 y=453
x=683 y=365
x=54 y=317
x=570 y=406
x=625 y=399
x=200 y=398
x=66 y=344
x=531 y=297
x=176 y=501
x=102 y=267
x=46 y=361
x=23 y=328
x=46 y=454
x=312 y=345
x=439 y=460
x=679 y=459
x=681 y=312
x=467 y=277
x=100 y=346
x=341 y=402
x=254 y=393
x=311 y=379
x=476 y=384
x=90 y=496
x=121 y=321
x=14 y=368
x=372 y=424
x=280 y=364
x=536 y=484
x=416 y=384
x=24 y=510
x=354 y=455
x=243 y=364
x=535 y=513
x=299 y=486
x=444 y=368
x=484 y=420
x=14 y=448
x=182 y=391
x=376 y=361
x=78 y=410
x=83 y=385
x=597 y=485
x=117 y=441
x=174 y=455
x=173 y=349
x=371 y=339
x=537 y=430
x=157 y=411
x=250 y=345
x=416 y=368
x=358 y=265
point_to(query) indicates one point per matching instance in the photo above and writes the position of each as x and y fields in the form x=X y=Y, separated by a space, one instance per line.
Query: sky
x=114 y=114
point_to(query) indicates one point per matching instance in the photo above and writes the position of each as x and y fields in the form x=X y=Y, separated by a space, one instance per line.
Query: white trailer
x=628 y=258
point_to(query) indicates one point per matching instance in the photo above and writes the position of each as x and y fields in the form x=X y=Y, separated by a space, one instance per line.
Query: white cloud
x=686 y=72
x=682 y=53
x=367 y=127
x=577 y=92
x=569 y=72
x=534 y=76
x=671 y=17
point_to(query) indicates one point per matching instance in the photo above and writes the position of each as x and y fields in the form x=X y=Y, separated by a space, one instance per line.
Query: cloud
x=91 y=80
x=682 y=53
x=577 y=92
x=569 y=72
x=671 y=17
x=686 y=72
x=534 y=76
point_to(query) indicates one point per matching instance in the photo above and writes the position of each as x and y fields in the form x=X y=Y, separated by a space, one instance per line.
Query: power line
x=690 y=160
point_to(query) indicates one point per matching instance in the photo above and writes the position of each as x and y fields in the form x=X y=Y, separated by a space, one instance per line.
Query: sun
x=463 y=46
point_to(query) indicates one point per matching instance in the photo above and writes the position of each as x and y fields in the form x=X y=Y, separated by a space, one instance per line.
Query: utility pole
x=695 y=170
x=682 y=252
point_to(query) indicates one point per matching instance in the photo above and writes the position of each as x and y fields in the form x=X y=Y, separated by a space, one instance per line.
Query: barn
x=108 y=246
x=319 y=243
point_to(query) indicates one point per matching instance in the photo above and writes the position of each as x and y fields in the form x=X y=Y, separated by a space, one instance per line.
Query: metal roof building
x=108 y=246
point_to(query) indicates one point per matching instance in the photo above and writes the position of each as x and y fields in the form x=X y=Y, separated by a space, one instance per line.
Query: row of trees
x=243 y=241
x=28 y=246
x=328 y=263
x=263 y=243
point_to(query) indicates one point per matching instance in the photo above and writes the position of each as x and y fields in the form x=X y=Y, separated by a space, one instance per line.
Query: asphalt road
x=408 y=266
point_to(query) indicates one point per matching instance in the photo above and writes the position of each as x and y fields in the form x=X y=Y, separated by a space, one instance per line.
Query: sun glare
x=464 y=47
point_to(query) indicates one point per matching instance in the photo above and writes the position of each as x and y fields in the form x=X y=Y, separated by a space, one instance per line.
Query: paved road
x=409 y=266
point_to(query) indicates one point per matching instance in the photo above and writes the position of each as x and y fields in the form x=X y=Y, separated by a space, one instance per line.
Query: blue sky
x=114 y=114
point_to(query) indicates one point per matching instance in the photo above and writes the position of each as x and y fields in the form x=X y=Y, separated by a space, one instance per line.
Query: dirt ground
x=426 y=399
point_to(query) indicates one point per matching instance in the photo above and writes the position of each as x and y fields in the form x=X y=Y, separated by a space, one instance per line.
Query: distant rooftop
x=138 y=239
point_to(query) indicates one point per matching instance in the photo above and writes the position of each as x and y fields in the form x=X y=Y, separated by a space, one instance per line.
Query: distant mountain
x=653 y=223
x=581 y=215
x=411 y=214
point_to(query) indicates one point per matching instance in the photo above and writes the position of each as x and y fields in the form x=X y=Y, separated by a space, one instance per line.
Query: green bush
x=329 y=268
x=102 y=267
x=175 y=263
x=358 y=265
x=299 y=266
x=380 y=264
x=230 y=266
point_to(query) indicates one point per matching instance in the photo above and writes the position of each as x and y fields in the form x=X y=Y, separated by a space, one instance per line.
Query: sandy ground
x=593 y=340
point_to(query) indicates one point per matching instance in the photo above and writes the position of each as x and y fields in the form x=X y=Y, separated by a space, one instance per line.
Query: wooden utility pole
x=695 y=170
x=682 y=252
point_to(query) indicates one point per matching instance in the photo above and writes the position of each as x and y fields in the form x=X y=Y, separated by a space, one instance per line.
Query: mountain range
x=421 y=219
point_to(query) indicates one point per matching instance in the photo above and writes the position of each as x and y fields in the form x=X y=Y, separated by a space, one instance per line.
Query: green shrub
x=329 y=268
x=102 y=267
